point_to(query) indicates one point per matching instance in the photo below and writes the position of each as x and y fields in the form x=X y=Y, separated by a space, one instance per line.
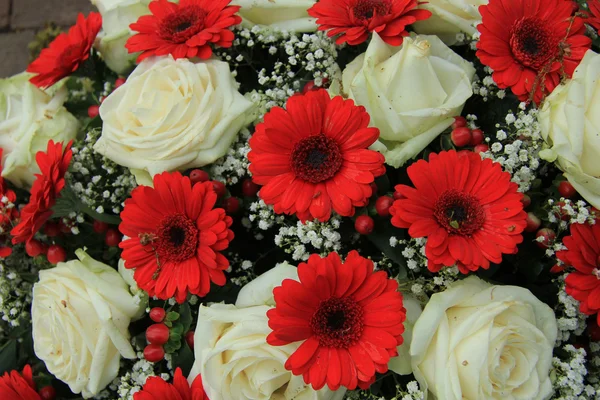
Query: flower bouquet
x=302 y=199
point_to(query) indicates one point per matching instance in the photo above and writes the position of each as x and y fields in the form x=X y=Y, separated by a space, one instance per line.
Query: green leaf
x=185 y=316
x=172 y=346
x=8 y=356
x=184 y=359
x=172 y=316
x=381 y=239
x=177 y=330
x=68 y=202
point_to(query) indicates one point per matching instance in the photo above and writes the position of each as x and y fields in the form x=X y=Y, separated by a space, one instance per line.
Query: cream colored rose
x=570 y=124
x=117 y=15
x=81 y=312
x=289 y=15
x=411 y=92
x=172 y=115
x=232 y=354
x=449 y=17
x=476 y=341
x=29 y=118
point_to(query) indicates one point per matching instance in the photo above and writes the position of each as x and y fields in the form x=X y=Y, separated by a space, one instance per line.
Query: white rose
x=232 y=354
x=570 y=124
x=172 y=115
x=289 y=15
x=411 y=92
x=117 y=15
x=476 y=341
x=449 y=17
x=81 y=312
x=29 y=118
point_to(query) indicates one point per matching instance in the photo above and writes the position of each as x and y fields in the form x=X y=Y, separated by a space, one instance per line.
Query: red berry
x=364 y=224
x=198 y=175
x=477 y=137
x=64 y=228
x=461 y=137
x=374 y=188
x=562 y=213
x=310 y=86
x=154 y=353
x=533 y=223
x=51 y=229
x=219 y=188
x=100 y=227
x=383 y=204
x=526 y=200
x=398 y=196
x=459 y=122
x=56 y=254
x=566 y=190
x=249 y=188
x=157 y=334
x=557 y=269
x=34 y=248
x=47 y=393
x=157 y=314
x=119 y=82
x=231 y=205
x=594 y=331
x=93 y=111
x=189 y=338
x=481 y=148
x=113 y=237
x=547 y=235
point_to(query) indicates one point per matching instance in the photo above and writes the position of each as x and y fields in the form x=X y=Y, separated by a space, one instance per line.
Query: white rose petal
x=450 y=17
x=29 y=118
x=172 y=115
x=411 y=92
x=570 y=124
x=476 y=341
x=232 y=354
x=117 y=15
x=81 y=312
x=289 y=15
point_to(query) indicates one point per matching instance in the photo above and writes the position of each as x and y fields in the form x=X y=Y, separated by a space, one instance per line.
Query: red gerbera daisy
x=469 y=210
x=183 y=30
x=583 y=253
x=67 y=52
x=531 y=45
x=313 y=156
x=175 y=235
x=353 y=20
x=349 y=318
x=156 y=388
x=53 y=165
x=15 y=386
x=8 y=213
x=593 y=15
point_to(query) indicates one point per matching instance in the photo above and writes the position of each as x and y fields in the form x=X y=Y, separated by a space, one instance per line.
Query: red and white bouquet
x=302 y=199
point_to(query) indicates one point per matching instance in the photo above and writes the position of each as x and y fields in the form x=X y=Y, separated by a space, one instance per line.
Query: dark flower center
x=177 y=238
x=459 y=213
x=338 y=322
x=533 y=43
x=367 y=9
x=180 y=26
x=316 y=158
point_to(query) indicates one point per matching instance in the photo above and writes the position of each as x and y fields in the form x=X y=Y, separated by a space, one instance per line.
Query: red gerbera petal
x=348 y=317
x=593 y=15
x=583 y=253
x=15 y=386
x=313 y=157
x=353 y=20
x=184 y=30
x=467 y=208
x=46 y=189
x=66 y=53
x=531 y=48
x=175 y=235
x=156 y=388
